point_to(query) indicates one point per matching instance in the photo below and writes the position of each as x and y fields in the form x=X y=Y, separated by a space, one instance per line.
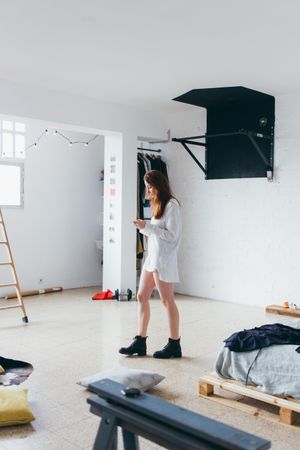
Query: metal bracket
x=184 y=142
x=250 y=134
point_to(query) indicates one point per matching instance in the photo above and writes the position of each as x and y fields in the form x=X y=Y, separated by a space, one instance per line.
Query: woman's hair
x=163 y=192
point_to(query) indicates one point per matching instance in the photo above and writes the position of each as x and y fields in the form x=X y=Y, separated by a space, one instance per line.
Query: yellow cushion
x=1 y=369
x=14 y=407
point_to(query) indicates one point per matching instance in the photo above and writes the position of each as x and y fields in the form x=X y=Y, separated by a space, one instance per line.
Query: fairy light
x=63 y=136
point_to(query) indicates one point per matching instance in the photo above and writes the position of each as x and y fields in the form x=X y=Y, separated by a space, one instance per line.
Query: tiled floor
x=69 y=337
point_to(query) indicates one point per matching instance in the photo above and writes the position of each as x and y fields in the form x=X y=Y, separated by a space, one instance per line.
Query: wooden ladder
x=10 y=263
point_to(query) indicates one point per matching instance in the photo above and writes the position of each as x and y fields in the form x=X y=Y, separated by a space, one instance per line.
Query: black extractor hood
x=239 y=139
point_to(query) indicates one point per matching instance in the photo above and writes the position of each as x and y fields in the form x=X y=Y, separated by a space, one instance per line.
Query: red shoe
x=107 y=295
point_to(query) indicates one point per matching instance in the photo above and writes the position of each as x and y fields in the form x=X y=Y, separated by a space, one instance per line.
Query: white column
x=119 y=235
x=129 y=212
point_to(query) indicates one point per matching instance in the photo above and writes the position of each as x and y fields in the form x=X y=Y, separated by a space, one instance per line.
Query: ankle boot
x=138 y=346
x=171 y=350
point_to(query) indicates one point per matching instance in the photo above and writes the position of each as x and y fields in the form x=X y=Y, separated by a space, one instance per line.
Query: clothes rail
x=149 y=150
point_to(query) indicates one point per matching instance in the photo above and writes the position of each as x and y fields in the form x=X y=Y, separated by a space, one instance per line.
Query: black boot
x=171 y=350
x=138 y=346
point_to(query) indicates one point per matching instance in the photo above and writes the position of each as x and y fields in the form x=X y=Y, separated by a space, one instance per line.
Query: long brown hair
x=163 y=193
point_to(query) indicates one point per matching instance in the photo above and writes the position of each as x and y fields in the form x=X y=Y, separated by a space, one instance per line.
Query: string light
x=58 y=133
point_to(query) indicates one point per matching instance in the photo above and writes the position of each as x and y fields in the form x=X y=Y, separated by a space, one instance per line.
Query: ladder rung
x=9 y=262
x=8 y=284
x=9 y=307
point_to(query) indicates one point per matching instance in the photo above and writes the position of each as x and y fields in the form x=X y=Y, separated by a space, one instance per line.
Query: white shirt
x=164 y=237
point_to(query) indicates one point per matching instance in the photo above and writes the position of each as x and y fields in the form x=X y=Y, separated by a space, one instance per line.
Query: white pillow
x=136 y=378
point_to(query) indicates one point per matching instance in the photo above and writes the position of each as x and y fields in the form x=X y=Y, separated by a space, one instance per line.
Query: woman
x=160 y=267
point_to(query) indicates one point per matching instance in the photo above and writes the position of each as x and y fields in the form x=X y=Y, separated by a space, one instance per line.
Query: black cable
x=247 y=376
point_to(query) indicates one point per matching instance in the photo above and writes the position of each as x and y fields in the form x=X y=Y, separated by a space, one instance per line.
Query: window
x=11 y=183
x=12 y=143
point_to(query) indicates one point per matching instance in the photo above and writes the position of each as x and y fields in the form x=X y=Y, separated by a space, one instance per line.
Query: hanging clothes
x=157 y=163
x=146 y=162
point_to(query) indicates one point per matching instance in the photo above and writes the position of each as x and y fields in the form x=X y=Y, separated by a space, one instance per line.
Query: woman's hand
x=139 y=223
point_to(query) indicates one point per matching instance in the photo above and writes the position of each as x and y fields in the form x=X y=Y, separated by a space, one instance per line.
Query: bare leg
x=145 y=290
x=166 y=292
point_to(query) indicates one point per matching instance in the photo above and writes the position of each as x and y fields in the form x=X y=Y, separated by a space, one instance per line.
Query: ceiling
x=144 y=53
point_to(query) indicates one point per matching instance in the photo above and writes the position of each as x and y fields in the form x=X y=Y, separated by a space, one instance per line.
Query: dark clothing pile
x=20 y=369
x=263 y=336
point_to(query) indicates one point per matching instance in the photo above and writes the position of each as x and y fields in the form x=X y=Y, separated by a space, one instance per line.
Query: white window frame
x=15 y=162
x=13 y=132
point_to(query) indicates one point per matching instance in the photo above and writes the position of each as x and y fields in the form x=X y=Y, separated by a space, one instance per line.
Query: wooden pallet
x=289 y=408
x=276 y=309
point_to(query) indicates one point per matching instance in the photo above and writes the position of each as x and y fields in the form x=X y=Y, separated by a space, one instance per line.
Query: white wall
x=53 y=236
x=241 y=240
x=104 y=118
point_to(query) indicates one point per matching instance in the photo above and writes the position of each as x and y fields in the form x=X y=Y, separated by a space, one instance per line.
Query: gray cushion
x=136 y=378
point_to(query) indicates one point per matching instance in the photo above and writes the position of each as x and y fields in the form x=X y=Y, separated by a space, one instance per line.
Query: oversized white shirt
x=164 y=237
